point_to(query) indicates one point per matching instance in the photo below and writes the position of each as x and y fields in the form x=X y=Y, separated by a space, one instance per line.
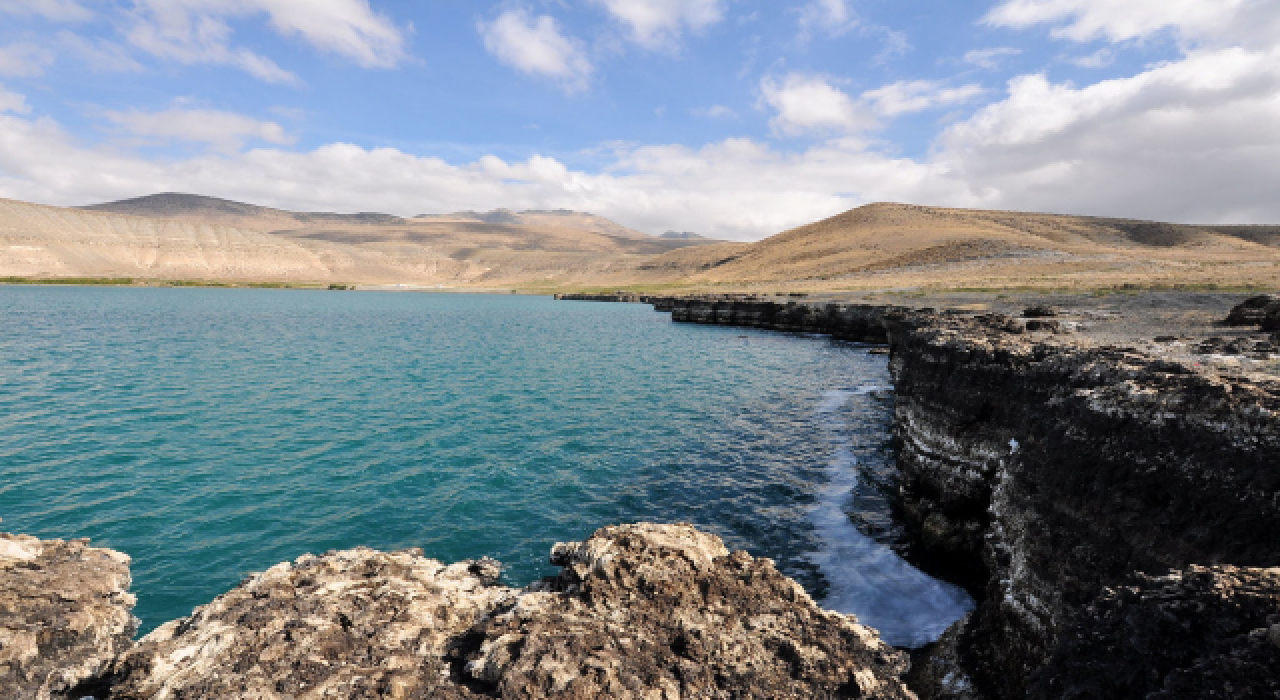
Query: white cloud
x=831 y=17
x=57 y=10
x=196 y=31
x=657 y=24
x=1084 y=20
x=12 y=102
x=224 y=131
x=24 y=59
x=906 y=97
x=990 y=59
x=1186 y=140
x=536 y=46
x=810 y=103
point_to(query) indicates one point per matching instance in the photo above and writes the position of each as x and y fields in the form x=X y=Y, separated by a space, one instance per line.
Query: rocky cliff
x=1057 y=471
x=638 y=611
x=1050 y=475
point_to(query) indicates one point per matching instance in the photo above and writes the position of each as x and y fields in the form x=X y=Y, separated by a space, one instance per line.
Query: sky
x=735 y=119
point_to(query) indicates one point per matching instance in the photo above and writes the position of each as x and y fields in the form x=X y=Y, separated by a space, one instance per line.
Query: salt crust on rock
x=65 y=613
x=639 y=611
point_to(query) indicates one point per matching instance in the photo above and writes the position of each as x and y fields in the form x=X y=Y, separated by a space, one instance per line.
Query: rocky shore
x=1114 y=506
x=638 y=611
x=1079 y=489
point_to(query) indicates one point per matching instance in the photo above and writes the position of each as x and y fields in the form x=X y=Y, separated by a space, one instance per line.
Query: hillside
x=181 y=236
x=878 y=246
x=895 y=245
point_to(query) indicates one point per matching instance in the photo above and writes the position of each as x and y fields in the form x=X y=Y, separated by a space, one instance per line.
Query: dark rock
x=1039 y=311
x=1044 y=473
x=1051 y=326
x=1197 y=633
x=65 y=612
x=639 y=611
x=1271 y=322
x=1252 y=311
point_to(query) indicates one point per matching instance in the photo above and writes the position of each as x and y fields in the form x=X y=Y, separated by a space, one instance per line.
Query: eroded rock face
x=1050 y=471
x=65 y=612
x=1205 y=632
x=639 y=611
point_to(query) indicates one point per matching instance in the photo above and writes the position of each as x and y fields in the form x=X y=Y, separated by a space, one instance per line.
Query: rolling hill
x=878 y=246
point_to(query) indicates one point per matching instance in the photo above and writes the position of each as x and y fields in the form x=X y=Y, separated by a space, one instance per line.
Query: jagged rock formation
x=639 y=611
x=65 y=612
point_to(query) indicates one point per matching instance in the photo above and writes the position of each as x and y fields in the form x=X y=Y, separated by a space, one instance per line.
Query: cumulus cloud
x=24 y=59
x=1191 y=139
x=831 y=17
x=57 y=10
x=807 y=103
x=224 y=131
x=1085 y=20
x=810 y=103
x=535 y=45
x=657 y=24
x=990 y=59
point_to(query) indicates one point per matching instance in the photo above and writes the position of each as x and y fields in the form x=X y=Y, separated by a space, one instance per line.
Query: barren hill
x=905 y=245
x=878 y=246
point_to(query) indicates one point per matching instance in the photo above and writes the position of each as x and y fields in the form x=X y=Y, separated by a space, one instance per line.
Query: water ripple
x=212 y=433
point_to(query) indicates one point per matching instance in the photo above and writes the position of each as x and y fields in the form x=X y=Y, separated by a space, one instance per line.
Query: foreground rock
x=639 y=611
x=65 y=612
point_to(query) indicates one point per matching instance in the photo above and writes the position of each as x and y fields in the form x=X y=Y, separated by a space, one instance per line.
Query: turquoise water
x=213 y=433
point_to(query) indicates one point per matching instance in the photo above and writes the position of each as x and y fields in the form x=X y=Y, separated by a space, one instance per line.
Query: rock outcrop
x=1049 y=472
x=857 y=322
x=1253 y=311
x=1205 y=632
x=65 y=613
x=639 y=611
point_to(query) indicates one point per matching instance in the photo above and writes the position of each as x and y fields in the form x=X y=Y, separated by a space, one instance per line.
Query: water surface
x=214 y=433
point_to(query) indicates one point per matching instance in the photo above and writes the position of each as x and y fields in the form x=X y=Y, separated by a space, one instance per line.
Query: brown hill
x=878 y=246
x=905 y=245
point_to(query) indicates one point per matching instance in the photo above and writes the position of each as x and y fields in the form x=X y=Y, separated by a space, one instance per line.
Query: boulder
x=1252 y=311
x=65 y=613
x=638 y=611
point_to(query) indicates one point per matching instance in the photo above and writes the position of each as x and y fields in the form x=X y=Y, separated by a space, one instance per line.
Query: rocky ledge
x=1049 y=474
x=638 y=611
x=1114 y=509
x=65 y=614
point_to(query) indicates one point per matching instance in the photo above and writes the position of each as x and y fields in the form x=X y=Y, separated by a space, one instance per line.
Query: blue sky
x=734 y=118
